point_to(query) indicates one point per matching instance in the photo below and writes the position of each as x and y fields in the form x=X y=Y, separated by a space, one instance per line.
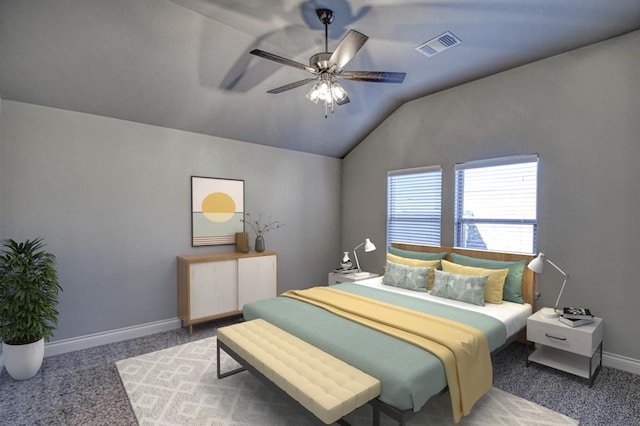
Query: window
x=496 y=204
x=414 y=205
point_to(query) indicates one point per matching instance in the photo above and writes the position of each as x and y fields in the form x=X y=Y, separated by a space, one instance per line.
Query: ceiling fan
x=327 y=67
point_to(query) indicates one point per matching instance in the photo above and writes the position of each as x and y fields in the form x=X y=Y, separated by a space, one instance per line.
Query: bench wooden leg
x=228 y=373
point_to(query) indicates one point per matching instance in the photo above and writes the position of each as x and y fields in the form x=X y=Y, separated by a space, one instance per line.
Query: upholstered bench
x=322 y=384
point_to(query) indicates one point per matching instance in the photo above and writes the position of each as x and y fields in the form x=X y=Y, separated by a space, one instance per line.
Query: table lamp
x=537 y=266
x=368 y=246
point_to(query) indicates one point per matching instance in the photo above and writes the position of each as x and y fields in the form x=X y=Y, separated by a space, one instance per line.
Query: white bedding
x=512 y=315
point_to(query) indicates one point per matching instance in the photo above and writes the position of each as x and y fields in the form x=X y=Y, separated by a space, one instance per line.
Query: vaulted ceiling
x=185 y=64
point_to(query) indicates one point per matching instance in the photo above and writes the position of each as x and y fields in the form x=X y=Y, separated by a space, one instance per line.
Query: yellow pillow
x=416 y=262
x=495 y=283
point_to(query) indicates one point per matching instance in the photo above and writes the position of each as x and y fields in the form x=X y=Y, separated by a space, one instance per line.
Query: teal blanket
x=409 y=375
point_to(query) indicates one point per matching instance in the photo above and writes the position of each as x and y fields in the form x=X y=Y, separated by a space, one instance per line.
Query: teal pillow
x=417 y=254
x=408 y=277
x=512 y=284
x=465 y=288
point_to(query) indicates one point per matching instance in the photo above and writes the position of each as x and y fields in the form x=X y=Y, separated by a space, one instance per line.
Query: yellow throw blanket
x=463 y=350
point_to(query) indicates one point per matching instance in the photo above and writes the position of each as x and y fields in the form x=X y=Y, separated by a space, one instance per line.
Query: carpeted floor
x=83 y=387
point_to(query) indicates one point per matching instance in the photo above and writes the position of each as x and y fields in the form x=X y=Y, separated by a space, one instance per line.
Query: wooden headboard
x=528 y=281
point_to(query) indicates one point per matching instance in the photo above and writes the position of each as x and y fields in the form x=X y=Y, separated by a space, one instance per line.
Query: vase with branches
x=261 y=227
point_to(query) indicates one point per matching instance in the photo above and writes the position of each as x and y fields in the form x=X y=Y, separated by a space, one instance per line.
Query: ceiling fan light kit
x=329 y=92
x=327 y=67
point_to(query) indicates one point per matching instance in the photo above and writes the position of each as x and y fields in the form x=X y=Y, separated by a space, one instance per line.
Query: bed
x=409 y=375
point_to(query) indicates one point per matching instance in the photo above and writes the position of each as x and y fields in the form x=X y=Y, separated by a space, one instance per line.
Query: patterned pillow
x=403 y=276
x=465 y=288
x=417 y=278
x=394 y=274
x=416 y=262
x=512 y=284
x=495 y=283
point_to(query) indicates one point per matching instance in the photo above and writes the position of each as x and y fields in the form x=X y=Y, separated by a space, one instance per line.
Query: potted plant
x=28 y=297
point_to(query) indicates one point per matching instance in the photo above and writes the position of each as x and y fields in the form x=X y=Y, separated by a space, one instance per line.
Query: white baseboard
x=97 y=339
x=112 y=336
x=621 y=362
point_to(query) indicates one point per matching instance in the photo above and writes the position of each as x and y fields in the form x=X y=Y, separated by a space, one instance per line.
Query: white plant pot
x=23 y=361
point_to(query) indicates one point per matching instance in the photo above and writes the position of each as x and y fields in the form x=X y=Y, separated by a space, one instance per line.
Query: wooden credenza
x=213 y=286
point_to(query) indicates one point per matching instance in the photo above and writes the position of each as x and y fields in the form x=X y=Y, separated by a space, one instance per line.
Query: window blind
x=496 y=204
x=414 y=205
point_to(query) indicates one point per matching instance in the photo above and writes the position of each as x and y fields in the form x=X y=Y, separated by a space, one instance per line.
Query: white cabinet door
x=213 y=288
x=257 y=279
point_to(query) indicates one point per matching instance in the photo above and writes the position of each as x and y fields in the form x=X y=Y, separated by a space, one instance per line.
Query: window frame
x=459 y=221
x=426 y=218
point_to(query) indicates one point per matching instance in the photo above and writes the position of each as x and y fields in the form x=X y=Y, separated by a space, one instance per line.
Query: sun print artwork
x=217 y=205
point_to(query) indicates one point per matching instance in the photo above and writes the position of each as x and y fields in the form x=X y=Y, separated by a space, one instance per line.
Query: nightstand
x=576 y=350
x=337 y=277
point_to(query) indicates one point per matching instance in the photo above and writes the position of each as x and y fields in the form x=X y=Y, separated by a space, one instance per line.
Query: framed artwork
x=217 y=207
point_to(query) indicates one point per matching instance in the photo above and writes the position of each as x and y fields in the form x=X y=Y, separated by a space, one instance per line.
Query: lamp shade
x=337 y=92
x=537 y=264
x=368 y=245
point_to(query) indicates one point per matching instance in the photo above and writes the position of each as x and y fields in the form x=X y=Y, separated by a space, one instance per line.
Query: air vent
x=438 y=44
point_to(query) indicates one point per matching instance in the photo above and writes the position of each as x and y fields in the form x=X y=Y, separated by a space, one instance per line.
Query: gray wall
x=112 y=200
x=1 y=222
x=581 y=112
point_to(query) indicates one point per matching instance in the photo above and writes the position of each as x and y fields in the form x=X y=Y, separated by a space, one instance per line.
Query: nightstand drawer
x=582 y=340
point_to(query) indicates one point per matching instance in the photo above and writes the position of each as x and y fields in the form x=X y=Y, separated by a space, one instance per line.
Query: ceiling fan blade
x=281 y=60
x=291 y=85
x=373 y=76
x=347 y=49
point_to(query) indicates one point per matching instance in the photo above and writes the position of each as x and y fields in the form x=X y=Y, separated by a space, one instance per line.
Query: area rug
x=178 y=386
